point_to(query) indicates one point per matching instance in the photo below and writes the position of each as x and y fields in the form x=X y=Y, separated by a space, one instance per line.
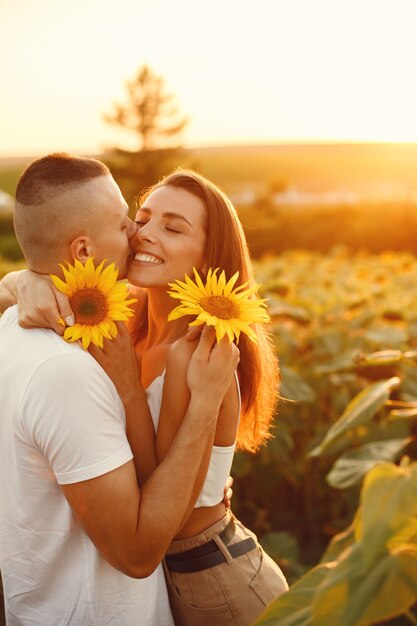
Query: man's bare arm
x=132 y=527
x=121 y=363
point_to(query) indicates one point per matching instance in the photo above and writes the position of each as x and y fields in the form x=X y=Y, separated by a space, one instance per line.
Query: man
x=76 y=531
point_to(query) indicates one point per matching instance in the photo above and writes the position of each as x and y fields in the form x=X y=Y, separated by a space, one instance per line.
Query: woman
x=216 y=571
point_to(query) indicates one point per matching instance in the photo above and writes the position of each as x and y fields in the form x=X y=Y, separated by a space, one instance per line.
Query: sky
x=244 y=72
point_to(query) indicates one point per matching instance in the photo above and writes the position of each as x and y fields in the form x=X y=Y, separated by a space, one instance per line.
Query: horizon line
x=278 y=144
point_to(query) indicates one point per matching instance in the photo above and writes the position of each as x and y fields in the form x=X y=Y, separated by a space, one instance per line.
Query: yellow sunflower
x=230 y=311
x=97 y=298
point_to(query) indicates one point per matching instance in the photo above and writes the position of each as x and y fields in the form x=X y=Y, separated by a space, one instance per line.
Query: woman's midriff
x=200 y=519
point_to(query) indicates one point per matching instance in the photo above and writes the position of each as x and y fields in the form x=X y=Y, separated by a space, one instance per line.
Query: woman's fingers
x=64 y=307
x=193 y=332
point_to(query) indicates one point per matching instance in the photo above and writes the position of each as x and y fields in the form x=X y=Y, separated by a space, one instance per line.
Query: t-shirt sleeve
x=74 y=416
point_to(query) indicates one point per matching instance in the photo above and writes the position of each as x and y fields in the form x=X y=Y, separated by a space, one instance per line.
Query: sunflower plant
x=215 y=303
x=97 y=299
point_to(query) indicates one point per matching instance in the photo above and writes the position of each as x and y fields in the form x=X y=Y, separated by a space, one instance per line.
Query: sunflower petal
x=61 y=285
x=86 y=337
x=230 y=284
x=200 y=282
x=90 y=273
x=222 y=283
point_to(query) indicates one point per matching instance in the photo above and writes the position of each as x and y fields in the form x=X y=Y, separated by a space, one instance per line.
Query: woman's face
x=171 y=238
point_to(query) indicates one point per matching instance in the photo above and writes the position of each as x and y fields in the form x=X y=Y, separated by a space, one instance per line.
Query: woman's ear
x=81 y=249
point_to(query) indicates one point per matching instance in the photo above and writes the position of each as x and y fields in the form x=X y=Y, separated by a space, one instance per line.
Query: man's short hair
x=44 y=222
x=51 y=173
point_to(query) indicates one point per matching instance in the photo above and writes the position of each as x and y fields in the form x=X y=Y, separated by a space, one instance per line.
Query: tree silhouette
x=151 y=114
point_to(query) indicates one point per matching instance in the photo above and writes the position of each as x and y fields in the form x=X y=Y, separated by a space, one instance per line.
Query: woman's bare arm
x=176 y=397
x=8 y=290
x=41 y=305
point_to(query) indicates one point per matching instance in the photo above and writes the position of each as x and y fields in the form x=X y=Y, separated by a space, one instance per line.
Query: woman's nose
x=145 y=233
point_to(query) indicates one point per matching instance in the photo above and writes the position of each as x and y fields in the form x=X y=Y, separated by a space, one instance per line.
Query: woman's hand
x=40 y=304
x=121 y=363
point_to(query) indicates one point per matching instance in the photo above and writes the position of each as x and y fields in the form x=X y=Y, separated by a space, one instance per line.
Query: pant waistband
x=209 y=554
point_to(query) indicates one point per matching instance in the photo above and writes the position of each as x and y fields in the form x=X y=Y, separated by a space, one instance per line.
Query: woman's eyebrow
x=169 y=214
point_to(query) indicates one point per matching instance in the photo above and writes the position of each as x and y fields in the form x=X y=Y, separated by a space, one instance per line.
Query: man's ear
x=81 y=249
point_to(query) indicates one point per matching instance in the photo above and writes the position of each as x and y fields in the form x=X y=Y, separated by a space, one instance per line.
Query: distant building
x=6 y=202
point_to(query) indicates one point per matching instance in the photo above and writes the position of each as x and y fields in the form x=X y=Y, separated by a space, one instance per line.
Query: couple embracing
x=114 y=461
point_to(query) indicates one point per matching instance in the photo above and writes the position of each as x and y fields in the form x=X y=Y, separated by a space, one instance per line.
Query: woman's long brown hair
x=227 y=249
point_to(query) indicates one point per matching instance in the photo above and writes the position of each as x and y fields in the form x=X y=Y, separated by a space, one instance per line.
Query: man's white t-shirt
x=61 y=421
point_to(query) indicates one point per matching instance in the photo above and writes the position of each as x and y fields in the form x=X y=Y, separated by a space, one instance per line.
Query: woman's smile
x=146 y=258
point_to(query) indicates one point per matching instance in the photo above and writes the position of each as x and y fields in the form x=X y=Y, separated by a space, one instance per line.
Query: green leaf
x=402 y=414
x=359 y=411
x=294 y=608
x=280 y=546
x=383 y=357
x=375 y=578
x=353 y=595
x=294 y=387
x=389 y=507
x=352 y=466
x=287 y=310
x=387 y=335
x=338 y=544
x=344 y=362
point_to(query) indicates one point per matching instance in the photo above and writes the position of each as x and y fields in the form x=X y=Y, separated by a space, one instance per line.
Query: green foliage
x=264 y=171
x=334 y=317
x=8 y=179
x=9 y=248
x=7 y=266
x=374 y=577
x=350 y=363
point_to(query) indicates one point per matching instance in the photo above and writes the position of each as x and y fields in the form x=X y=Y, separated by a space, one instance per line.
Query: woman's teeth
x=148 y=258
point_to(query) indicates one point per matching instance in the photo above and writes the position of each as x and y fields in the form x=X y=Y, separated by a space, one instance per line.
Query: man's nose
x=132 y=228
x=132 y=231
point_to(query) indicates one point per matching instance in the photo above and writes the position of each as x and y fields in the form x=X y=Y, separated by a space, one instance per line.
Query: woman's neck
x=160 y=331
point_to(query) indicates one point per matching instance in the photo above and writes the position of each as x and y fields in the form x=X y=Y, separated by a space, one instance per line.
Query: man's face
x=110 y=240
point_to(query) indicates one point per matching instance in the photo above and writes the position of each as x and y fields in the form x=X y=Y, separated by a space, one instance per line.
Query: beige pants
x=235 y=592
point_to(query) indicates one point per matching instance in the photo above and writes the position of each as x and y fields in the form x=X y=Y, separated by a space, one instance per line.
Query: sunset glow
x=277 y=71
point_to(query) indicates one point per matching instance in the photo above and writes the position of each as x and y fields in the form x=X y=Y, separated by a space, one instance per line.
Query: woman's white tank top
x=221 y=456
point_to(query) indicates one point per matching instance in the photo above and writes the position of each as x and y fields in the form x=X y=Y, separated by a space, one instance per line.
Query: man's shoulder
x=41 y=349
x=9 y=316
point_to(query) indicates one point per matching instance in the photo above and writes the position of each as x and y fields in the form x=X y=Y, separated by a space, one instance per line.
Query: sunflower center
x=89 y=306
x=220 y=307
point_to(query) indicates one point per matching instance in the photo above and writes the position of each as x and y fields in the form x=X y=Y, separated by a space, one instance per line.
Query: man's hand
x=212 y=367
x=228 y=492
x=40 y=304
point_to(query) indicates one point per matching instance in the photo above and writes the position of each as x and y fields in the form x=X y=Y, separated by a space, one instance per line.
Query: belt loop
x=223 y=548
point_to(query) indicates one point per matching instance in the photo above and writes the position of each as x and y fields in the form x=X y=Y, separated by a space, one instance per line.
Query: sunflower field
x=333 y=496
